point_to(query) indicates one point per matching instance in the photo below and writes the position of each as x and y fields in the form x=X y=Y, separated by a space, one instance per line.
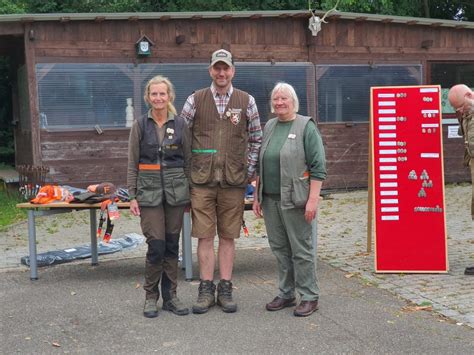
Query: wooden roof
x=225 y=15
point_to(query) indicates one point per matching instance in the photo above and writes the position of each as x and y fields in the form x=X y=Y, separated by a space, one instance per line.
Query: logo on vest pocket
x=234 y=115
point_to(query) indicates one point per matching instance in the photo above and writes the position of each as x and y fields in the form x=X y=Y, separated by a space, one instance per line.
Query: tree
x=10 y=7
x=444 y=9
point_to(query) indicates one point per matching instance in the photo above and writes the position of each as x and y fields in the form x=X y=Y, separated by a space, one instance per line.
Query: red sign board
x=407 y=179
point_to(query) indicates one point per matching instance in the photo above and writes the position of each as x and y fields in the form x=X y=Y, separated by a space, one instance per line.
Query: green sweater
x=314 y=155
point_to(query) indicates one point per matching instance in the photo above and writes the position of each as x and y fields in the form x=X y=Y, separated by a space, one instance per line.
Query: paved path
x=81 y=309
x=341 y=243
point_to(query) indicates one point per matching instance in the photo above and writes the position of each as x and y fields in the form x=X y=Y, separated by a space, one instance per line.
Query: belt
x=149 y=167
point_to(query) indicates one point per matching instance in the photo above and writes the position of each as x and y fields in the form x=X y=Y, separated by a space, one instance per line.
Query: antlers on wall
x=331 y=10
x=315 y=22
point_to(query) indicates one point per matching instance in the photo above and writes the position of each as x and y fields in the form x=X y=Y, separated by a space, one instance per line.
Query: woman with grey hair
x=292 y=167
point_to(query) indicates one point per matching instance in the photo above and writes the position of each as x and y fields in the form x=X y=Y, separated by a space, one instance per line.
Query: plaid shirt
x=253 y=122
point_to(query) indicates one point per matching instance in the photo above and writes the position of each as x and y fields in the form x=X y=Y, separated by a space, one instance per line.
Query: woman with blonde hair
x=158 y=156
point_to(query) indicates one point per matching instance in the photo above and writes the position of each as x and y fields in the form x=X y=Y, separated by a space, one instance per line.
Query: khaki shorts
x=217 y=207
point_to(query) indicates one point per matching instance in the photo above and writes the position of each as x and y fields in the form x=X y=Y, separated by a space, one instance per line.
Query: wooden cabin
x=75 y=76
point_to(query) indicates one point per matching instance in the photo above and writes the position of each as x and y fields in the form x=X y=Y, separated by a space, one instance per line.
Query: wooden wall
x=84 y=157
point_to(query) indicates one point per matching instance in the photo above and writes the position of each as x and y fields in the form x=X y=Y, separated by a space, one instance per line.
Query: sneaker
x=224 y=297
x=174 y=305
x=150 y=310
x=206 y=298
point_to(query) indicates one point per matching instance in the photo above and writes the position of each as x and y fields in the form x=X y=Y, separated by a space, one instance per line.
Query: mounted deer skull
x=315 y=22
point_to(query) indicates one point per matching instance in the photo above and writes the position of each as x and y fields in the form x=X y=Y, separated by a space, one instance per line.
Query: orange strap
x=149 y=167
x=306 y=174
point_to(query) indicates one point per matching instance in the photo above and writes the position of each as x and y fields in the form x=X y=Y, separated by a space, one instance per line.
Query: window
x=449 y=74
x=344 y=90
x=80 y=96
x=83 y=95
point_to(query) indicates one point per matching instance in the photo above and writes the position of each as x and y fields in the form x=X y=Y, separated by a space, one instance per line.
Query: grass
x=8 y=212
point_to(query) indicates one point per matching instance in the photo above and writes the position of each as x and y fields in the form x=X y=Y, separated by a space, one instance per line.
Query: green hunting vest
x=294 y=174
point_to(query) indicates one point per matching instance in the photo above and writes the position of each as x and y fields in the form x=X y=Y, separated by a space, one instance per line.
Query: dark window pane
x=83 y=95
x=80 y=96
x=344 y=90
x=258 y=79
x=449 y=74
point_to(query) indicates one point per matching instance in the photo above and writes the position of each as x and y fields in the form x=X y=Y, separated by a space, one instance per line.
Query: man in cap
x=226 y=139
x=461 y=98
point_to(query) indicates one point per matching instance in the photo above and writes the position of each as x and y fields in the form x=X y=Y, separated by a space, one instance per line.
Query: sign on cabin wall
x=408 y=179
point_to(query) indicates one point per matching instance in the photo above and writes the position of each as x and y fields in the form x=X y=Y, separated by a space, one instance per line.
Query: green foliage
x=443 y=9
x=447 y=9
x=11 y=7
x=8 y=212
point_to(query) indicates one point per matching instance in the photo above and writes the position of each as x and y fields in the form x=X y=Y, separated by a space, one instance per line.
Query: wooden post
x=370 y=189
x=30 y=61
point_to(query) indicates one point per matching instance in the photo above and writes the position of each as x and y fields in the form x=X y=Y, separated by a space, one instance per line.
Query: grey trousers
x=290 y=238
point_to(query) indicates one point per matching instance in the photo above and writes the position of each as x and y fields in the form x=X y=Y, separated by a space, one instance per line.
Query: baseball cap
x=221 y=55
x=106 y=188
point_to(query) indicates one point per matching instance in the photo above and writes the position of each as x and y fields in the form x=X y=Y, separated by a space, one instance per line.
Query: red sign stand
x=407 y=179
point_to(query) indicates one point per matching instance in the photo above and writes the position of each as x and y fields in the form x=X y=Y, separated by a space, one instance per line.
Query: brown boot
x=280 y=303
x=306 y=308
x=224 y=297
x=206 y=297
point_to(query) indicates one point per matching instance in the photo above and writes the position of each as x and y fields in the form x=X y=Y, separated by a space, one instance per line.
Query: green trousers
x=290 y=238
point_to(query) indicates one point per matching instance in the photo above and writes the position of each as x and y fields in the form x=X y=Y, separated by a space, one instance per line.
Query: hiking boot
x=224 y=297
x=150 y=310
x=206 y=298
x=174 y=305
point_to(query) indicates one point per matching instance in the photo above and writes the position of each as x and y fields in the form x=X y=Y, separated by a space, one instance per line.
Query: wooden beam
x=360 y=18
x=27 y=19
x=435 y=24
x=99 y=18
x=64 y=19
x=256 y=16
x=165 y=18
x=196 y=17
x=226 y=17
x=133 y=18
x=304 y=15
x=387 y=20
x=460 y=27
x=30 y=61
x=11 y=29
x=411 y=23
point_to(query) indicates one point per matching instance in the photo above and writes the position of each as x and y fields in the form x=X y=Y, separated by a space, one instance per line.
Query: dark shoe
x=280 y=303
x=174 y=305
x=150 y=310
x=305 y=308
x=224 y=297
x=206 y=297
x=469 y=270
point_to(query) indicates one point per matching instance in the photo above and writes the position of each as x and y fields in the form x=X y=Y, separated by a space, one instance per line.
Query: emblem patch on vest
x=234 y=115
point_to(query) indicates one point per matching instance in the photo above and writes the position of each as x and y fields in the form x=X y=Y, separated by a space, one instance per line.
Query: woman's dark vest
x=161 y=167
